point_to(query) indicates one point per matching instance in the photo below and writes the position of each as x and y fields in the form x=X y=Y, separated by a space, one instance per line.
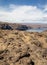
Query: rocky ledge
x=23 y=48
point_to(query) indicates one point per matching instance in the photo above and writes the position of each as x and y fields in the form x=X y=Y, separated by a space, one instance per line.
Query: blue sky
x=23 y=2
x=23 y=11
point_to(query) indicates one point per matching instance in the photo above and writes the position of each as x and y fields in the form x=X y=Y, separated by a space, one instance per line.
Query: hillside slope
x=23 y=48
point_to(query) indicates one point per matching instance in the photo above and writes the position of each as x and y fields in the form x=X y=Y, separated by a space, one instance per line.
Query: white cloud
x=23 y=13
x=45 y=8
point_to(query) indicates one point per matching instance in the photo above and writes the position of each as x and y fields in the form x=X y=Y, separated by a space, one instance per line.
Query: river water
x=37 y=30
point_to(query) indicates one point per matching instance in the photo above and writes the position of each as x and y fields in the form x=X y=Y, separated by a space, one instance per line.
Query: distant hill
x=36 y=25
x=13 y=26
x=21 y=26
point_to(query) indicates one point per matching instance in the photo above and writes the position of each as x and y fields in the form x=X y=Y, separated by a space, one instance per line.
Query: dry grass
x=23 y=48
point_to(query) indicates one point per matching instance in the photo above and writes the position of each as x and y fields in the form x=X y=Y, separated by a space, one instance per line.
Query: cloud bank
x=23 y=14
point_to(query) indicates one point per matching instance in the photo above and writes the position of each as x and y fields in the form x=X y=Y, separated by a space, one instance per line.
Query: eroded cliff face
x=23 y=48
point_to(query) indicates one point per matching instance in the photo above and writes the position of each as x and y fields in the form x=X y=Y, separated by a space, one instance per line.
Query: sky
x=23 y=11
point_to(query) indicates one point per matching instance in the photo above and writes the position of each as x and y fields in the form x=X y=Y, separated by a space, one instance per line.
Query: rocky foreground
x=23 y=48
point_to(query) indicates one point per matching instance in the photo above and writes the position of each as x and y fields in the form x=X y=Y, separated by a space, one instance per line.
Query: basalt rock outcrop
x=22 y=27
x=13 y=26
x=6 y=27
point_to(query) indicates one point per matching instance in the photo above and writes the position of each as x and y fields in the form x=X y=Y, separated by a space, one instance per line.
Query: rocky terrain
x=21 y=26
x=13 y=26
x=23 y=48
